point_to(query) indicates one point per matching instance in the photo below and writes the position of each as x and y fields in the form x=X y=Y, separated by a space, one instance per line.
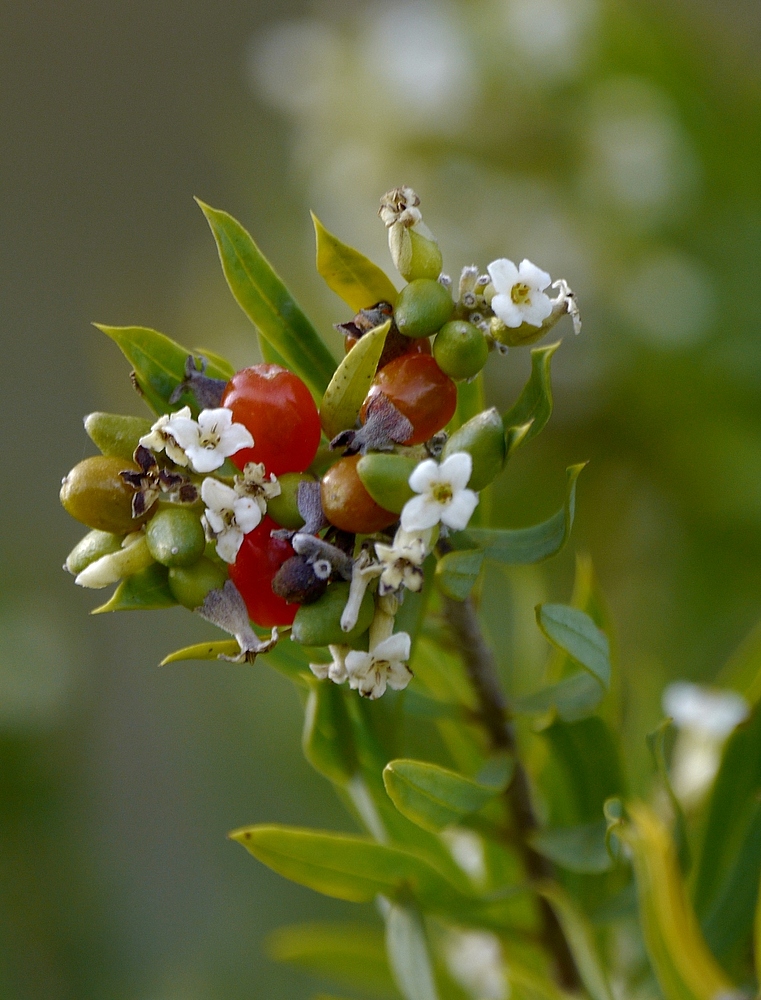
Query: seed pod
x=190 y=584
x=346 y=502
x=422 y=308
x=284 y=509
x=94 y=545
x=460 y=349
x=483 y=438
x=415 y=255
x=386 y=478
x=319 y=624
x=95 y=494
x=175 y=536
x=116 y=435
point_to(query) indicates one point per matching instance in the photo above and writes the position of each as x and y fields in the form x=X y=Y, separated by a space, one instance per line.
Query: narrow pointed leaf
x=408 y=956
x=267 y=302
x=573 y=698
x=145 y=591
x=203 y=651
x=159 y=365
x=457 y=572
x=220 y=364
x=327 y=739
x=348 y=387
x=434 y=797
x=574 y=632
x=348 y=273
x=575 y=848
x=535 y=402
x=580 y=938
x=683 y=965
x=520 y=546
x=656 y=743
x=757 y=937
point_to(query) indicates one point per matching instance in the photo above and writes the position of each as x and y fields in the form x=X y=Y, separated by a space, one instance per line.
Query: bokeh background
x=614 y=142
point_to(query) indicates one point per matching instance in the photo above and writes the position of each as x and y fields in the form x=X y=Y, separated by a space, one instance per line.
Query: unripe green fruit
x=95 y=494
x=483 y=438
x=460 y=349
x=386 y=478
x=115 y=434
x=94 y=545
x=190 y=584
x=319 y=624
x=422 y=308
x=284 y=509
x=424 y=259
x=175 y=536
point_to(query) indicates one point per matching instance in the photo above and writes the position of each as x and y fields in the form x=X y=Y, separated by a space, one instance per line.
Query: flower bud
x=93 y=546
x=284 y=508
x=190 y=584
x=175 y=536
x=131 y=558
x=483 y=438
x=319 y=624
x=385 y=477
x=95 y=494
x=422 y=308
x=415 y=254
x=115 y=434
x=460 y=349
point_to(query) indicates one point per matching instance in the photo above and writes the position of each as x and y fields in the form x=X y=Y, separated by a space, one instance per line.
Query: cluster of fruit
x=231 y=500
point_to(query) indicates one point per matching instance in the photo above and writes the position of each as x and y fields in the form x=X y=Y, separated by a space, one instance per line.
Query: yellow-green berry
x=175 y=536
x=422 y=308
x=190 y=584
x=460 y=349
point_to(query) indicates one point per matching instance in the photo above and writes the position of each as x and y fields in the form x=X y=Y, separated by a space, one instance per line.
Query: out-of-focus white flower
x=402 y=561
x=336 y=669
x=520 y=297
x=443 y=494
x=386 y=664
x=475 y=960
x=211 y=439
x=467 y=849
x=228 y=517
x=161 y=436
x=705 y=718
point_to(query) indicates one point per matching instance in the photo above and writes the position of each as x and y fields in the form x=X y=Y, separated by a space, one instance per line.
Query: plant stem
x=493 y=710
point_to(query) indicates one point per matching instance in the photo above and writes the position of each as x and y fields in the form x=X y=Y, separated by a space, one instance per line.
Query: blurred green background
x=615 y=143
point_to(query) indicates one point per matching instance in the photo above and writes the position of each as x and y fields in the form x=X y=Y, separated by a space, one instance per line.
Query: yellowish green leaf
x=348 y=387
x=203 y=651
x=346 y=271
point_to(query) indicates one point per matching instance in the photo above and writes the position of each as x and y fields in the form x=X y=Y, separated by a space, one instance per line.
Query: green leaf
x=348 y=387
x=267 y=302
x=520 y=546
x=203 y=651
x=352 y=954
x=729 y=865
x=408 y=956
x=656 y=742
x=683 y=965
x=457 y=572
x=742 y=672
x=268 y=352
x=147 y=590
x=327 y=739
x=348 y=273
x=757 y=937
x=221 y=364
x=586 y=756
x=434 y=797
x=115 y=434
x=349 y=867
x=574 y=632
x=581 y=941
x=573 y=698
x=575 y=848
x=534 y=404
x=159 y=365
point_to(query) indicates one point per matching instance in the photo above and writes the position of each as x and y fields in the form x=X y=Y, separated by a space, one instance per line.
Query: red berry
x=420 y=390
x=395 y=346
x=346 y=502
x=278 y=409
x=259 y=559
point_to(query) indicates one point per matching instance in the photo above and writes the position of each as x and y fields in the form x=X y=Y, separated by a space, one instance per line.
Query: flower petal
x=504 y=307
x=399 y=676
x=539 y=310
x=503 y=274
x=204 y=459
x=420 y=513
x=248 y=514
x=234 y=438
x=533 y=275
x=184 y=431
x=394 y=649
x=216 y=495
x=423 y=476
x=228 y=544
x=456 y=470
x=460 y=510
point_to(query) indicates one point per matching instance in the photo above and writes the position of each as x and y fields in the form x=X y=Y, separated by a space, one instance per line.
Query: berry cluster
x=230 y=506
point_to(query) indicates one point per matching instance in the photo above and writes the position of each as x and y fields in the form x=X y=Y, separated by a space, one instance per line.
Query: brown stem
x=495 y=717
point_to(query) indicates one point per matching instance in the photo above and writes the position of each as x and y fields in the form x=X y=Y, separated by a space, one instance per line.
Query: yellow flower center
x=520 y=294
x=442 y=492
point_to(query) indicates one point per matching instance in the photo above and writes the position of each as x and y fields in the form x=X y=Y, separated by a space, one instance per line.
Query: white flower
x=161 y=437
x=386 y=664
x=211 y=439
x=444 y=496
x=254 y=484
x=475 y=961
x=520 y=294
x=228 y=517
x=402 y=560
x=336 y=669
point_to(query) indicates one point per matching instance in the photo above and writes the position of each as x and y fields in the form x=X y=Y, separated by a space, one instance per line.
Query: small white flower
x=476 y=962
x=402 y=561
x=386 y=664
x=443 y=494
x=211 y=439
x=520 y=294
x=228 y=517
x=161 y=437
x=254 y=484
x=336 y=669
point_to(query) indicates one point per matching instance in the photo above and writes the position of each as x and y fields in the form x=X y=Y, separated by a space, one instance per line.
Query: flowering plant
x=334 y=521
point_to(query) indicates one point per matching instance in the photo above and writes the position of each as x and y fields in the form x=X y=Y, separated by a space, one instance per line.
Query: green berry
x=319 y=624
x=386 y=478
x=460 y=349
x=94 y=545
x=422 y=308
x=175 y=536
x=190 y=584
x=424 y=259
x=483 y=438
x=115 y=434
x=284 y=509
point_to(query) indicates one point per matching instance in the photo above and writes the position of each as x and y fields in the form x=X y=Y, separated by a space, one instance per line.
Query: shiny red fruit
x=420 y=390
x=278 y=409
x=259 y=558
x=347 y=504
